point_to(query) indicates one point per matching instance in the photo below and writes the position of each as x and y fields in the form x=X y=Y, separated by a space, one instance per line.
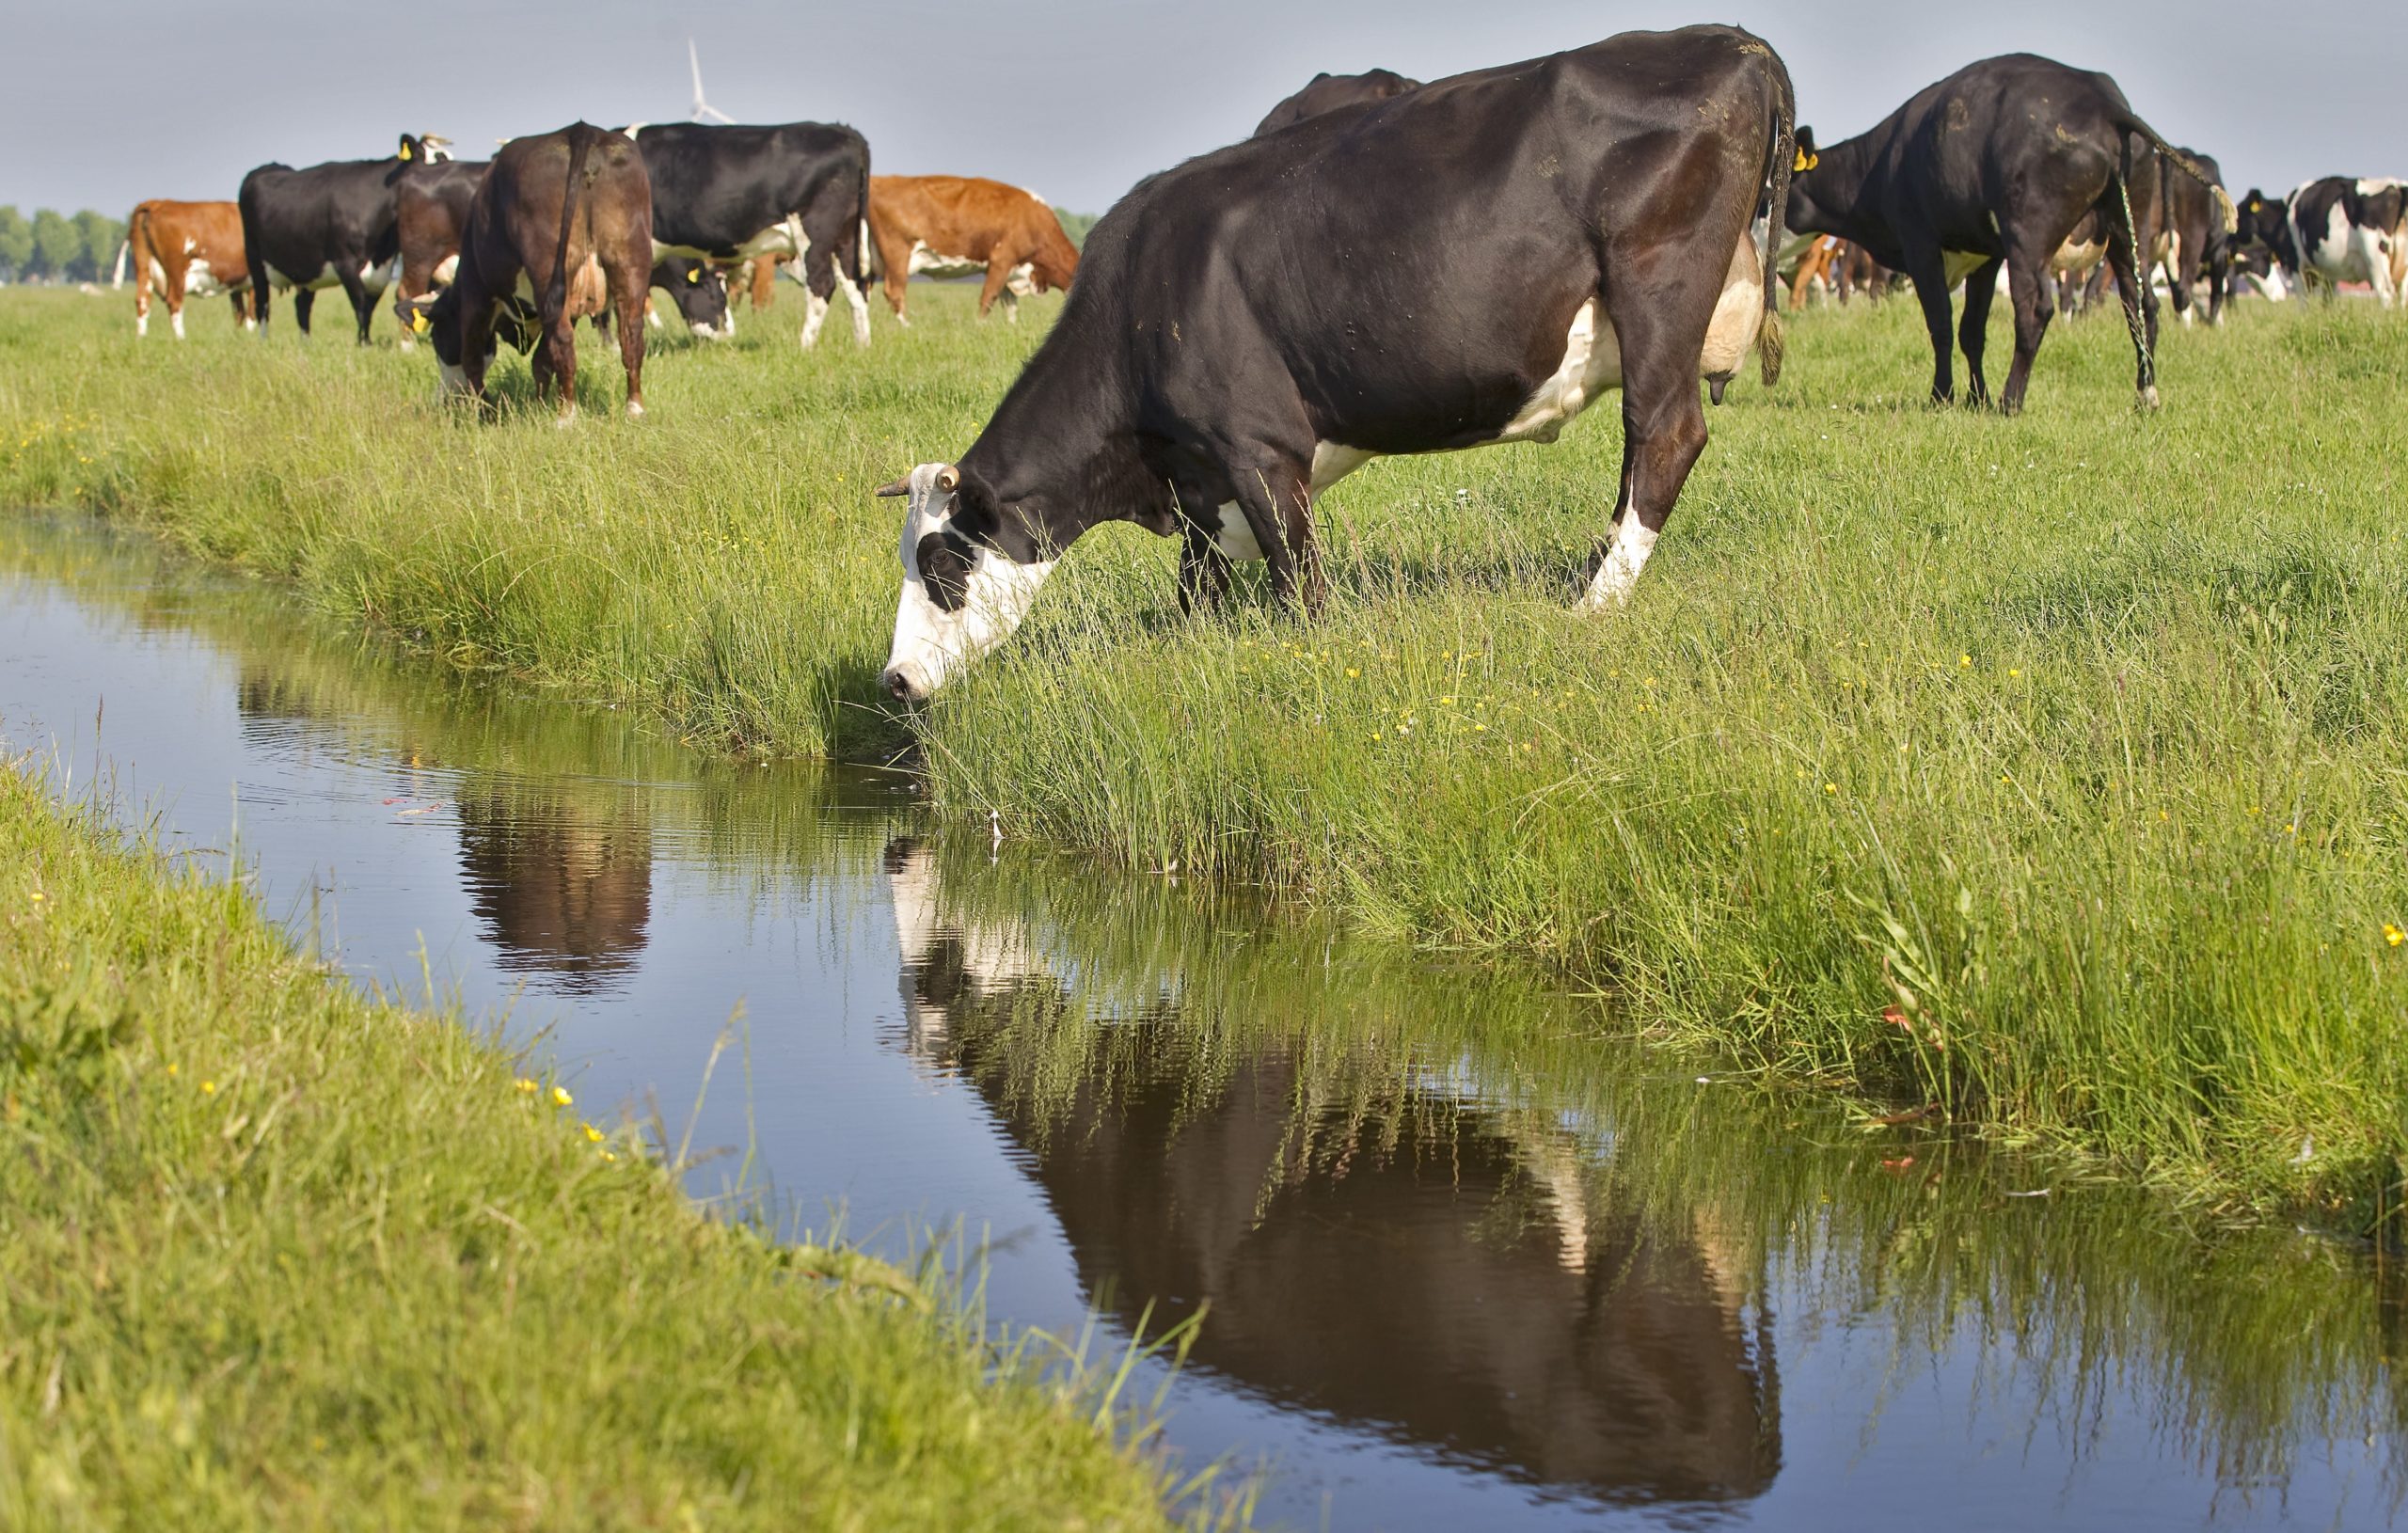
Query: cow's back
x=708 y=181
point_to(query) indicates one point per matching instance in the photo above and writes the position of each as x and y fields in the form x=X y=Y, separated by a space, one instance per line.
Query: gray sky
x=105 y=104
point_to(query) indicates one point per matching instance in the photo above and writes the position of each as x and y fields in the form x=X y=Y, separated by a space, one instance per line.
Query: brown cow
x=955 y=224
x=184 y=248
x=560 y=227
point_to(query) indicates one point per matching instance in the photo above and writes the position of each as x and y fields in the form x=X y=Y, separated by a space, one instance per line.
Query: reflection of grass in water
x=2249 y=1348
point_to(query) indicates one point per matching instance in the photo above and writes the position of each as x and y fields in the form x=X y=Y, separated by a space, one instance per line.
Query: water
x=1473 y=1261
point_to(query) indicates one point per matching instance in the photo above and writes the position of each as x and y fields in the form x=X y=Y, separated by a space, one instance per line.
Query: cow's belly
x=935 y=263
x=2074 y=256
x=374 y=278
x=1738 y=314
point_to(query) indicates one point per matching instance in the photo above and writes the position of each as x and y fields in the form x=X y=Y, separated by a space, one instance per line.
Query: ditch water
x=1472 y=1259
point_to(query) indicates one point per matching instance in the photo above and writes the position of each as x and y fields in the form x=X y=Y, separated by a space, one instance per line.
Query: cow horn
x=901 y=487
x=948 y=478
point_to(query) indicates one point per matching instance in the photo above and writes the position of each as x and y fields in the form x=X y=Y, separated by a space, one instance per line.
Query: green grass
x=273 y=1255
x=2074 y=740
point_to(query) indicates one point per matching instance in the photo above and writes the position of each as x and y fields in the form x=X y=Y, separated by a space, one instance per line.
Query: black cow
x=1326 y=91
x=801 y=188
x=560 y=229
x=1252 y=325
x=332 y=224
x=2332 y=231
x=1996 y=165
x=2197 y=238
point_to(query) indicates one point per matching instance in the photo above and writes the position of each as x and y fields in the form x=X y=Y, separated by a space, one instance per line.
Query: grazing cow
x=332 y=225
x=1196 y=385
x=430 y=211
x=1995 y=166
x=560 y=229
x=2196 y=244
x=801 y=189
x=1326 y=92
x=2336 y=229
x=180 y=248
x=964 y=224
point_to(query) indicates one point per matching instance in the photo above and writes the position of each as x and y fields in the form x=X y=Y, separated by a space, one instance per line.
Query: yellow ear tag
x=1805 y=161
x=406 y=151
x=694 y=274
x=418 y=323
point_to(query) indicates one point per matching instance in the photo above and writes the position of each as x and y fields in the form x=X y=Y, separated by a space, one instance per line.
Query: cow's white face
x=960 y=597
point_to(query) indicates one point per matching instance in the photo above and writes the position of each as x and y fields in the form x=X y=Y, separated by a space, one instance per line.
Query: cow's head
x=437 y=321
x=2264 y=223
x=970 y=567
x=699 y=293
x=423 y=149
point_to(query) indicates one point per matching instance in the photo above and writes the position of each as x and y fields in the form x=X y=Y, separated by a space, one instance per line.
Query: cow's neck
x=1060 y=454
x=1837 y=189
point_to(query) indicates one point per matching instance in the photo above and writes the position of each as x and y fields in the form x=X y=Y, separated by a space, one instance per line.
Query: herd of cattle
x=1248 y=328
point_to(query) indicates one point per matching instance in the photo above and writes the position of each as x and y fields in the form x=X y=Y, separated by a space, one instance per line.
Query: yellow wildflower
x=561 y=1098
x=208 y=1088
x=2393 y=936
x=593 y=1134
x=526 y=1088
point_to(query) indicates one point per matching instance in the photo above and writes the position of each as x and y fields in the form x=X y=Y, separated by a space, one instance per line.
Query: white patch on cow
x=455 y=380
x=1236 y=534
x=651 y=320
x=176 y=323
x=566 y=417
x=446 y=271
x=141 y=325
x=932 y=264
x=158 y=274
x=1591 y=364
x=1010 y=300
x=1618 y=575
x=199 y=280
x=815 y=314
x=2077 y=256
x=635 y=409
x=932 y=644
x=1960 y=264
x=1334 y=461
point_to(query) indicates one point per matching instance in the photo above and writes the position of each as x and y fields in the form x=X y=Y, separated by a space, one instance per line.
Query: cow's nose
x=904 y=684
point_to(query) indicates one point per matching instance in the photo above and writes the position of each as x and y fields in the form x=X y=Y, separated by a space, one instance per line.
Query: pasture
x=2047 y=769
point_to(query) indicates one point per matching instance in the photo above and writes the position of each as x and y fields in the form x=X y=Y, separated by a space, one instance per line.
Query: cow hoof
x=2148 y=397
x=635 y=409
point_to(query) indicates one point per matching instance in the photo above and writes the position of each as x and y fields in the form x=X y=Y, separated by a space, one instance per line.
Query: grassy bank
x=273 y=1256
x=2045 y=768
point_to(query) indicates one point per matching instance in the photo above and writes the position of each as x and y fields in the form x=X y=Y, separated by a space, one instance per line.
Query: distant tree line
x=51 y=247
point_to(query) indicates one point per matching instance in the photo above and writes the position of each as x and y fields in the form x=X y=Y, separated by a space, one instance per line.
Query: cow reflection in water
x=563 y=888
x=1439 y=1269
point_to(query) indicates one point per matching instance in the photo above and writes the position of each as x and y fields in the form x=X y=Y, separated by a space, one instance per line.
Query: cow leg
x=997 y=275
x=559 y=348
x=1663 y=425
x=2219 y=285
x=634 y=298
x=363 y=303
x=1973 y=332
x=820 y=283
x=2027 y=296
x=860 y=302
x=1272 y=496
x=1928 y=271
x=1203 y=572
x=304 y=301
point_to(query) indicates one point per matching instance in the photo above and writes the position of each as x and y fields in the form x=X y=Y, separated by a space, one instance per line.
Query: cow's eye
x=944 y=570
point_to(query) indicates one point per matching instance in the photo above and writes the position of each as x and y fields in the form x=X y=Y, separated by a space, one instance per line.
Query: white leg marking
x=860 y=301
x=141 y=326
x=176 y=323
x=815 y=315
x=1619 y=574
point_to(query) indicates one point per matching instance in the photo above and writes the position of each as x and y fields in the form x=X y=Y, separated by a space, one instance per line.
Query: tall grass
x=2045 y=768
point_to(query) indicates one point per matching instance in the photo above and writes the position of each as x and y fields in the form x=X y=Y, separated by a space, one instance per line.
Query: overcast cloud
x=105 y=104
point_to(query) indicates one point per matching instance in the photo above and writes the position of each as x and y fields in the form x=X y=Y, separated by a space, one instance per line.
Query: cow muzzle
x=906 y=683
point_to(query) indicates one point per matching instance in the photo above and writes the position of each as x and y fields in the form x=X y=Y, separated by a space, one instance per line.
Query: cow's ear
x=408 y=150
x=975 y=498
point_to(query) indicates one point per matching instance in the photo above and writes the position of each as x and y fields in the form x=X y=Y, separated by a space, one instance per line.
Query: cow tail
x=860 y=274
x=1770 y=345
x=2227 y=213
x=124 y=246
x=580 y=142
x=2134 y=278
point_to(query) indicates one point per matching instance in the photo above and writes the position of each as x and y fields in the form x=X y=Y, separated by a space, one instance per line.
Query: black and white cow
x=1326 y=92
x=2336 y=229
x=800 y=188
x=1252 y=325
x=1995 y=167
x=333 y=225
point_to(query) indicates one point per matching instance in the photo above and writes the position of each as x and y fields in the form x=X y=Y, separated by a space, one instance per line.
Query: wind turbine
x=704 y=111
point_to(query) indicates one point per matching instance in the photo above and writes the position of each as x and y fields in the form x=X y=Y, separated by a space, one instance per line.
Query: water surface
x=1470 y=1257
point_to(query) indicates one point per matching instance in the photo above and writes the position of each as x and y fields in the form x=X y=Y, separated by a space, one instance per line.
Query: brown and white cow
x=184 y=249
x=950 y=226
x=560 y=227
